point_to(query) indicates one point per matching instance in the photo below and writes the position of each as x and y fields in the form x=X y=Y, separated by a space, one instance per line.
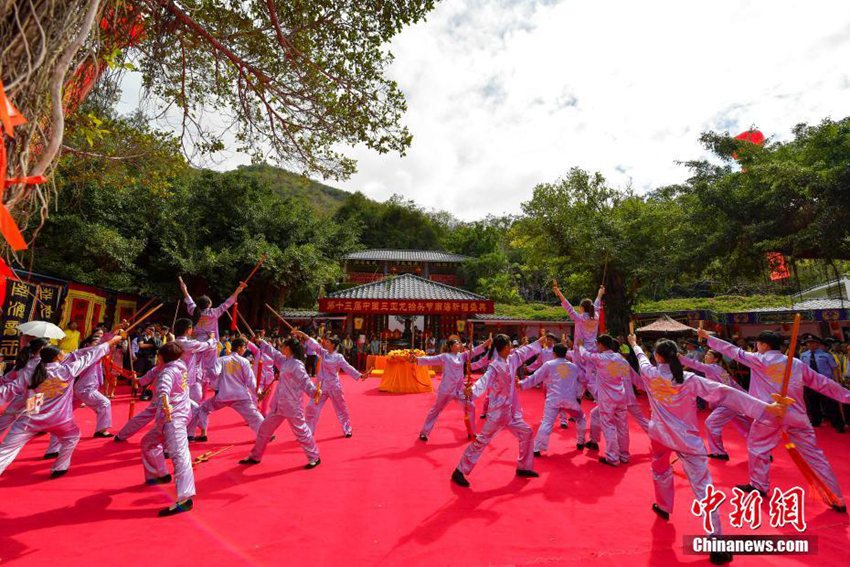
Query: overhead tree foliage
x=787 y=197
x=290 y=79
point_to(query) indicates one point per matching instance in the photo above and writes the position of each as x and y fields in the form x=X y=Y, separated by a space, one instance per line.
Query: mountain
x=324 y=198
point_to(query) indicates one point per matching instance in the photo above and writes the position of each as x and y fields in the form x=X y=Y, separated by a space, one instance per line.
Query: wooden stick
x=145 y=316
x=279 y=316
x=176 y=312
x=257 y=267
x=238 y=328
x=244 y=322
x=631 y=326
x=605 y=270
x=792 y=347
x=141 y=309
x=135 y=389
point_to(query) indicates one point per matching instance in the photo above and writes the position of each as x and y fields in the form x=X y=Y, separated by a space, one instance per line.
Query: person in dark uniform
x=147 y=346
x=817 y=405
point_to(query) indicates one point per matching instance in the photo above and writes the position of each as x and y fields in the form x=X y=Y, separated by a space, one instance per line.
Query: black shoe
x=527 y=473
x=178 y=508
x=483 y=416
x=720 y=557
x=719 y=456
x=48 y=456
x=840 y=429
x=537 y=454
x=119 y=440
x=770 y=458
x=348 y=435
x=190 y=437
x=199 y=439
x=661 y=513
x=249 y=461
x=572 y=419
x=57 y=474
x=159 y=480
x=580 y=446
x=423 y=437
x=592 y=446
x=313 y=464
x=842 y=509
x=459 y=479
x=605 y=461
x=103 y=434
x=749 y=488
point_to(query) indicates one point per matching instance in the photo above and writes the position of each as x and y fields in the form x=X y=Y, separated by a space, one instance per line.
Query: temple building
x=409 y=295
x=372 y=265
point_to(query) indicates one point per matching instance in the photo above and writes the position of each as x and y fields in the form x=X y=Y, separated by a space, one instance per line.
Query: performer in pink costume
x=49 y=403
x=768 y=369
x=451 y=387
x=505 y=410
x=674 y=424
x=720 y=416
x=288 y=403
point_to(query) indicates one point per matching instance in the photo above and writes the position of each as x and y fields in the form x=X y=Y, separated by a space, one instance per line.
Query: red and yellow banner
x=411 y=307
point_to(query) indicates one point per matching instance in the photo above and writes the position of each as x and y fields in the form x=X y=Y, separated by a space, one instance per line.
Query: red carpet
x=381 y=497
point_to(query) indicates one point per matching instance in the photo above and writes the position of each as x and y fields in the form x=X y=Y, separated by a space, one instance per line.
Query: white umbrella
x=41 y=329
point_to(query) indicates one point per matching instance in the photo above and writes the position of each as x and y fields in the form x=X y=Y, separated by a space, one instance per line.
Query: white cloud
x=505 y=94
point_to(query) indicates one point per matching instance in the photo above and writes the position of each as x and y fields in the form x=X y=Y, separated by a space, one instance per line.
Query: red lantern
x=751 y=136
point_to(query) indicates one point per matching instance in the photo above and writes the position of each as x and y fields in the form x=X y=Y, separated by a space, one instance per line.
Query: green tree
x=584 y=232
x=134 y=224
x=397 y=223
x=787 y=197
x=291 y=79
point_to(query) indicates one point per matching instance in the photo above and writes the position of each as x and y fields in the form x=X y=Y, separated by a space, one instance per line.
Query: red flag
x=6 y=273
x=233 y=316
x=776 y=263
x=602 y=329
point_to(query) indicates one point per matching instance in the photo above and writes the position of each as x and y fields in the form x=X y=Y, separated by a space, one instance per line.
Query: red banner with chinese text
x=412 y=307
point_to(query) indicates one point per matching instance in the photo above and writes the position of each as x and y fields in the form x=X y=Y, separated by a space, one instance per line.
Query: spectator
x=347 y=347
x=71 y=342
x=362 y=352
x=692 y=350
x=818 y=405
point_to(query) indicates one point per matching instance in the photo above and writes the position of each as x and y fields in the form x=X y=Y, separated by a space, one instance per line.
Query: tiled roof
x=406 y=286
x=497 y=317
x=306 y=314
x=809 y=305
x=406 y=256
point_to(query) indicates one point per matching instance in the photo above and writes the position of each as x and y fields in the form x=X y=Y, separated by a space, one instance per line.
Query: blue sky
x=504 y=94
